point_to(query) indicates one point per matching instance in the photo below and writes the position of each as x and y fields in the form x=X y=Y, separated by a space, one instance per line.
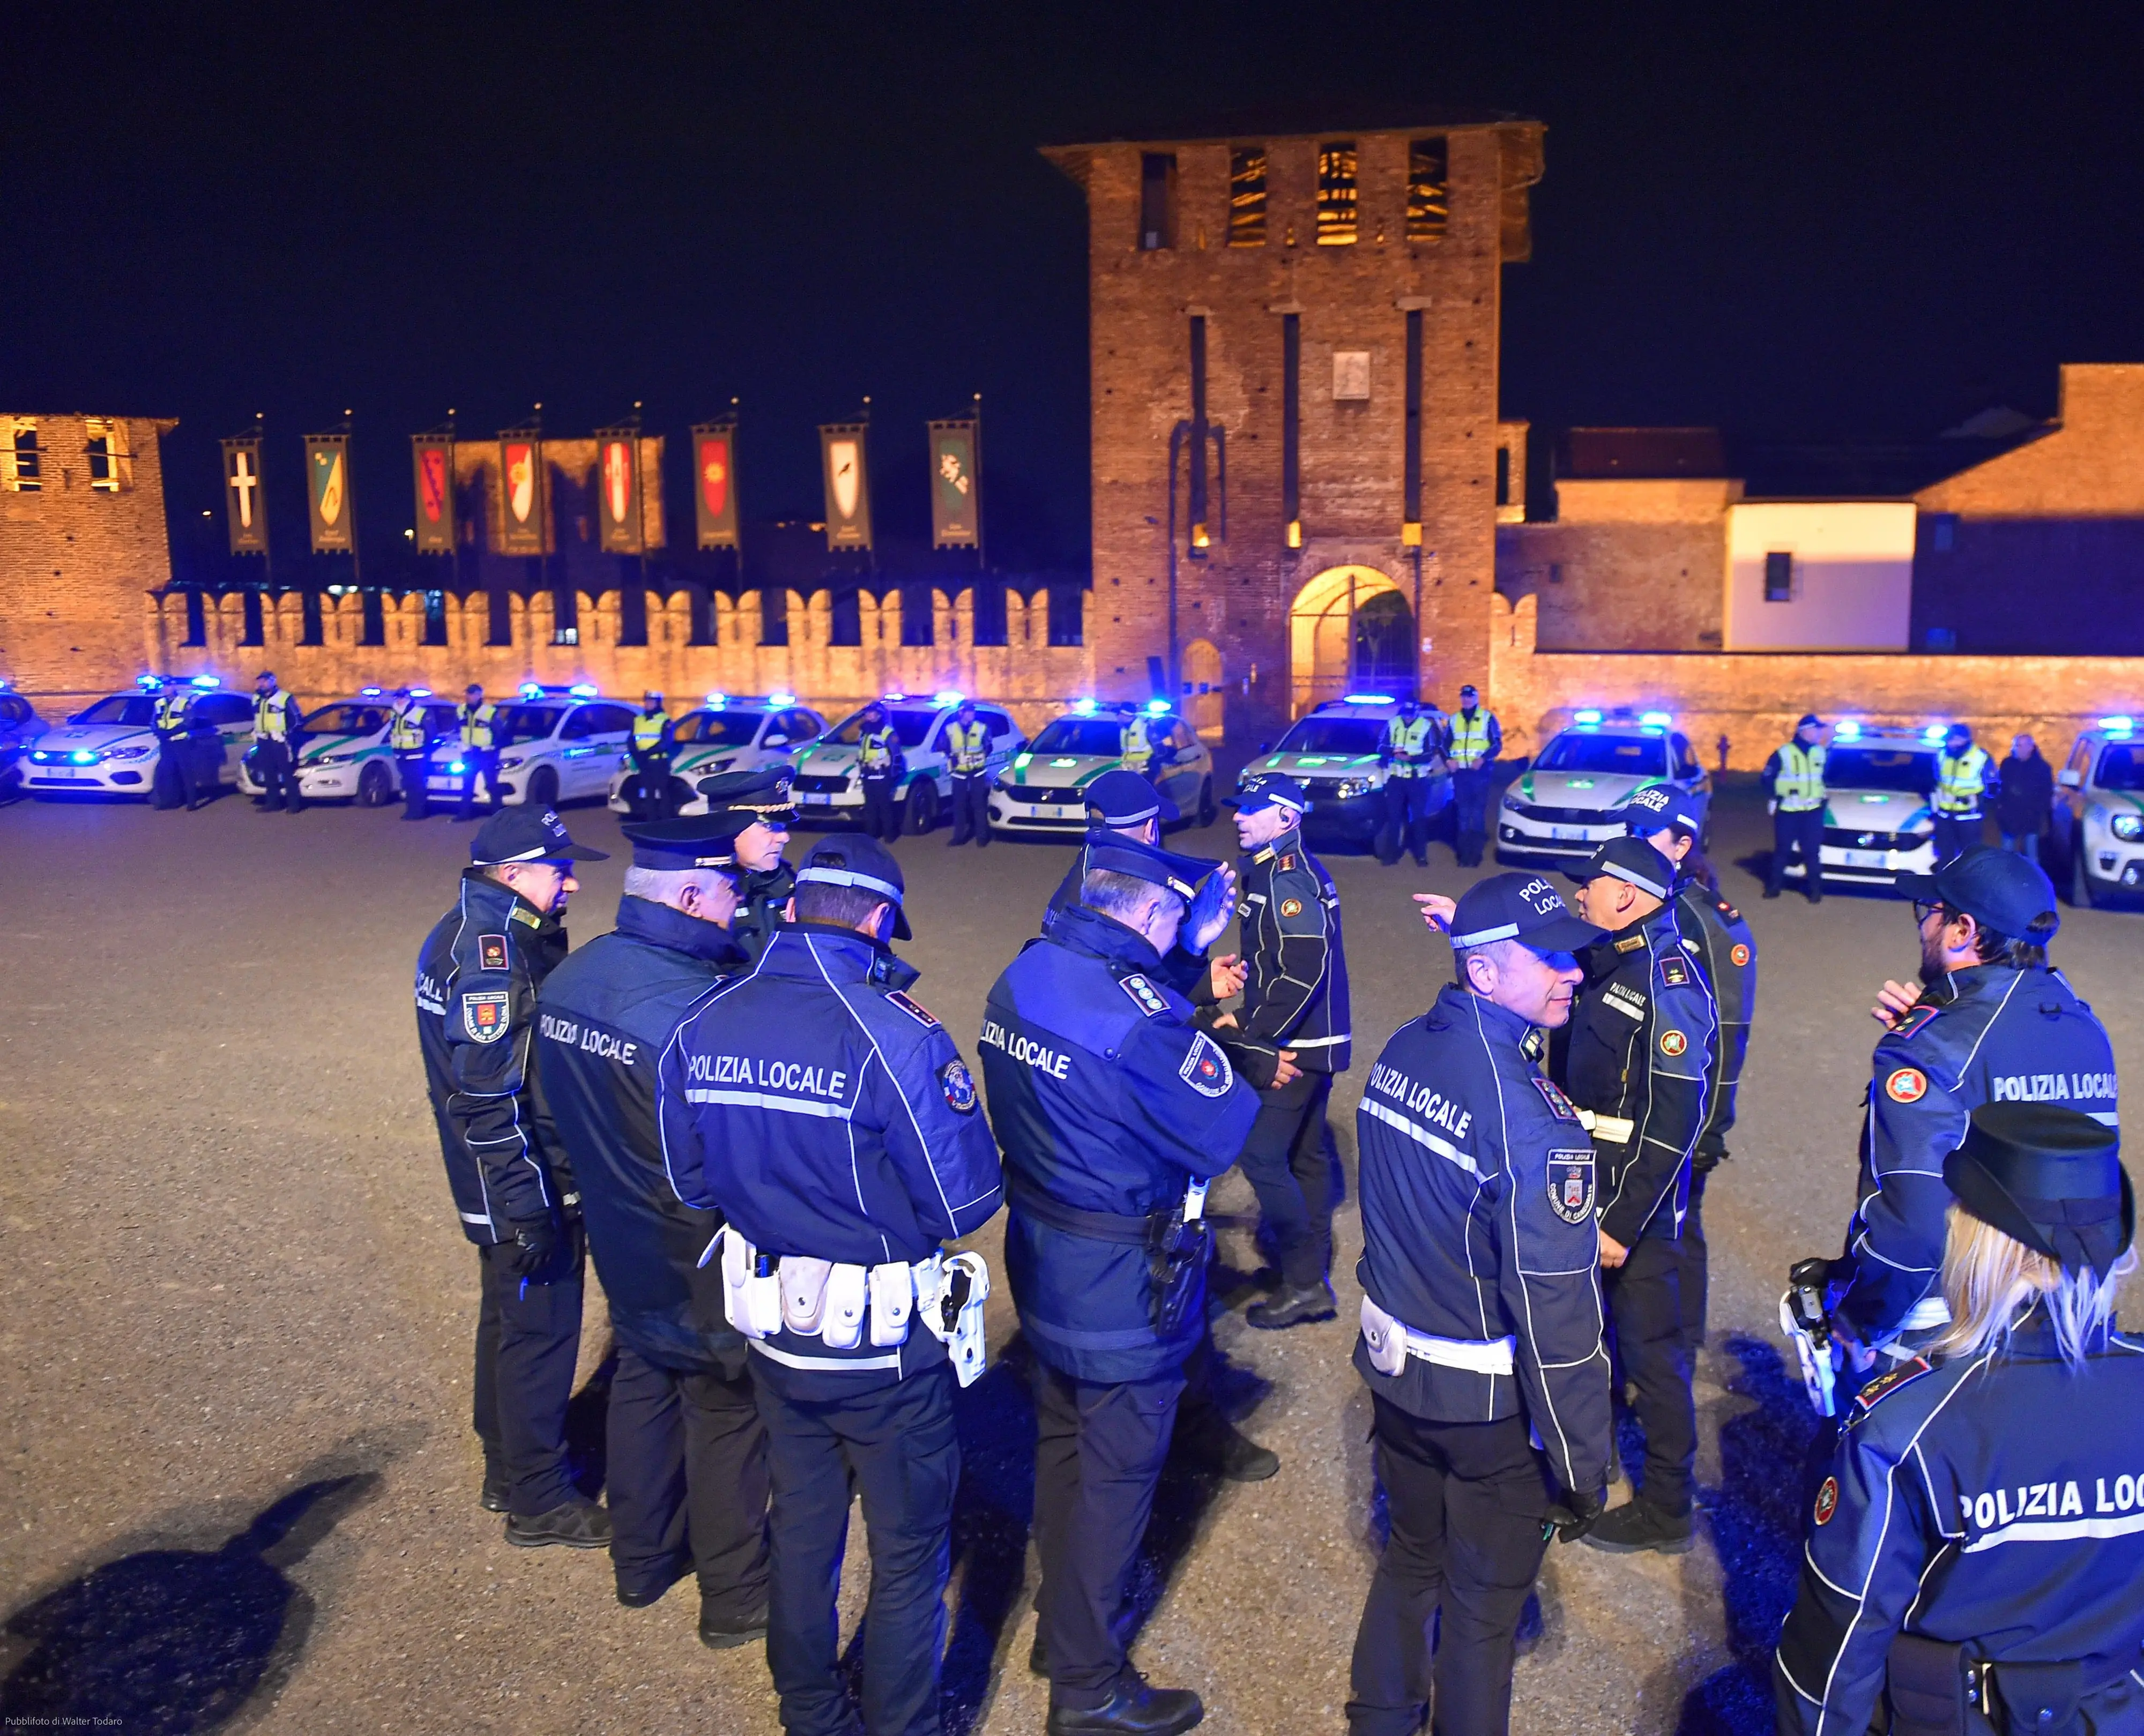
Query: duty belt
x=1120 y=1228
x=1615 y=1129
x=1392 y=1340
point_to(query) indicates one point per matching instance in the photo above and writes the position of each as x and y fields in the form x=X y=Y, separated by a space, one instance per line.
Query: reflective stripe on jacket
x=476 y=723
x=969 y=745
x=1800 y=786
x=271 y=717
x=1960 y=782
x=1472 y=739
x=1410 y=743
x=405 y=732
x=649 y=733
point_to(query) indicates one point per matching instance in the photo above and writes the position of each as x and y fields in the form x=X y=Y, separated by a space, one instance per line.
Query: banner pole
x=982 y=558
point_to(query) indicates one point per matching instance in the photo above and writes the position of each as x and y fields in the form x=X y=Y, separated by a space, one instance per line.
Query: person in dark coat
x=2025 y=804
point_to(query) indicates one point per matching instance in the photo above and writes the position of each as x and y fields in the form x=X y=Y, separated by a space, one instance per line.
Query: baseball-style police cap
x=1180 y=875
x=2050 y=1178
x=1264 y=790
x=1655 y=807
x=1632 y=859
x=1998 y=888
x=1525 y=907
x=706 y=840
x=1806 y=719
x=855 y=860
x=527 y=834
x=1123 y=798
x=763 y=794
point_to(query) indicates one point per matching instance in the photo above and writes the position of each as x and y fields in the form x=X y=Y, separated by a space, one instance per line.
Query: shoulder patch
x=1147 y=998
x=1629 y=943
x=1907 y=1084
x=959 y=1084
x=1291 y=907
x=921 y=1014
x=1672 y=1043
x=1206 y=1069
x=1918 y=1018
x=491 y=954
x=1570 y=1184
x=1559 y=1105
x=1286 y=863
x=1739 y=954
x=1674 y=972
x=1726 y=909
x=1264 y=855
x=1827 y=1501
x=484 y=1017
x=1885 y=1385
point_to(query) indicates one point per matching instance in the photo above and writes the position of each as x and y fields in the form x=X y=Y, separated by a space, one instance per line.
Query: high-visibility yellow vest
x=271 y=717
x=876 y=748
x=1470 y=739
x=1800 y=784
x=1139 y=745
x=1959 y=781
x=969 y=746
x=648 y=732
x=405 y=730
x=1411 y=741
x=171 y=712
x=476 y=723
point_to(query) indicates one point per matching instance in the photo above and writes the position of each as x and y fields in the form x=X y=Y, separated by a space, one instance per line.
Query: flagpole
x=982 y=557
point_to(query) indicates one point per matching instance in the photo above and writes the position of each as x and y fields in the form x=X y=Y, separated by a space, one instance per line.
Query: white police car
x=2098 y=843
x=1332 y=752
x=110 y=748
x=1877 y=824
x=830 y=786
x=1043 y=790
x=555 y=744
x=730 y=732
x=1568 y=801
x=346 y=755
x=20 y=727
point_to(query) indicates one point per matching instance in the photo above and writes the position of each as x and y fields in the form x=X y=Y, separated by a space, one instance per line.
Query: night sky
x=1831 y=228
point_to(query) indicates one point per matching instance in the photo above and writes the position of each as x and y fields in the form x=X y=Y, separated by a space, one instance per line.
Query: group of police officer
x=735 y=1104
x=1421 y=745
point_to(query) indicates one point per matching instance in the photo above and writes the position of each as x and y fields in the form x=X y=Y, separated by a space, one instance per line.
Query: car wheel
x=1208 y=812
x=375 y=786
x=922 y=813
x=543 y=787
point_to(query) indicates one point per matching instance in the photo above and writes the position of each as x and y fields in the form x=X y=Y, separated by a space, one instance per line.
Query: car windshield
x=513 y=723
x=2121 y=767
x=1901 y=769
x=910 y=727
x=719 y=729
x=1582 y=751
x=1101 y=738
x=137 y=709
x=1333 y=735
x=347 y=719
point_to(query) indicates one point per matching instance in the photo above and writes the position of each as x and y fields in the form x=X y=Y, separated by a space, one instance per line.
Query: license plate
x=1574 y=834
x=1864 y=859
x=64 y=777
x=815 y=798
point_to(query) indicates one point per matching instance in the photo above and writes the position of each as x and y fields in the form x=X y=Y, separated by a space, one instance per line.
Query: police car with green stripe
x=1043 y=790
x=2097 y=848
x=829 y=782
x=1568 y=801
x=110 y=748
x=1877 y=821
x=346 y=755
x=730 y=732
x=1332 y=752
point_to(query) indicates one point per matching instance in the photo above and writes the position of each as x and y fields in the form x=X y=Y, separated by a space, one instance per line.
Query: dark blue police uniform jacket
x=1987 y=1033
x=1478 y=1189
x=1183 y=970
x=601 y=1018
x=1296 y=994
x=1718 y=939
x=1106 y=1100
x=766 y=897
x=828 y=1115
x=1993 y=1500
x=477 y=978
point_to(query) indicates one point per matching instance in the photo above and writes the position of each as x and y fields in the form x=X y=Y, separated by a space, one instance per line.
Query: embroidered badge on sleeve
x=484 y=1017
x=1206 y=1069
x=1570 y=1184
x=491 y=953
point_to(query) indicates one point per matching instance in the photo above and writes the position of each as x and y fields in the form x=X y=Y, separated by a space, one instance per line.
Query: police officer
x=1289 y=1040
x=768 y=880
x=968 y=746
x=278 y=733
x=1413 y=744
x=881 y=764
x=479 y=756
x=1965 y=782
x=1794 y=785
x=181 y=775
x=1114 y=1112
x=1671 y=819
x=1636 y=1058
x=1142 y=746
x=687 y=1459
x=653 y=746
x=407 y=737
x=831 y=1120
x=1481 y=1316
x=1988 y=1021
x=1472 y=739
x=512 y=1186
x=1972 y=1560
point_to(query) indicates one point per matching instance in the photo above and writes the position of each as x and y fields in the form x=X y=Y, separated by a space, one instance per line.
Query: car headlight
x=128 y=753
x=511 y=762
x=334 y=759
x=2128 y=827
x=1349 y=788
x=1512 y=805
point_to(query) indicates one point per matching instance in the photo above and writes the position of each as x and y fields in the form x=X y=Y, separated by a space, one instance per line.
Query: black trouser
x=478 y=762
x=1406 y=825
x=1645 y=1304
x=276 y=767
x=1467 y=1501
x=972 y=807
x=178 y=776
x=1098 y=1456
x=687 y=1471
x=882 y=812
x=1802 y=831
x=1696 y=1274
x=896 y=1446
x=527 y=1339
x=1956 y=834
x=414 y=764
x=648 y=790
x=1284 y=1160
x=1470 y=796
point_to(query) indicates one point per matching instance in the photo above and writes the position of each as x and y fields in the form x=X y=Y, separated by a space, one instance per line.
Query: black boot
x=718 y=1634
x=579 y=1524
x=1216 y=1445
x=1293 y=1307
x=1134 y=1709
x=493 y=1499
x=1638 y=1525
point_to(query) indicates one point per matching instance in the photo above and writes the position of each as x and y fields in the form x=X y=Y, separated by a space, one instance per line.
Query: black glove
x=1572 y=1517
x=535 y=1246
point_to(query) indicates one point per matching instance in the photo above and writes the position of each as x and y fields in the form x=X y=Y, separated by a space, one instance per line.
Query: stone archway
x=1349 y=629
x=1204 y=699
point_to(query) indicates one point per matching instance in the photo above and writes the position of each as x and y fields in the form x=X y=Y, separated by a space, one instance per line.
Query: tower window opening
x=1247 y=196
x=1156 y=227
x=1429 y=189
x=1335 y=193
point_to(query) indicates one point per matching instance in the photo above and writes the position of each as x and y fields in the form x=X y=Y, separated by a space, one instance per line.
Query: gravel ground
x=236 y=1308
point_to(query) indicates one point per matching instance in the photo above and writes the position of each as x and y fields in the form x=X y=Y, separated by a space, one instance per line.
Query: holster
x=1927 y=1687
x=2042 y=1698
x=1177 y=1256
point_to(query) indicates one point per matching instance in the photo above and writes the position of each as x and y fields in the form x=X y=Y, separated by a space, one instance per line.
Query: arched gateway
x=1349 y=630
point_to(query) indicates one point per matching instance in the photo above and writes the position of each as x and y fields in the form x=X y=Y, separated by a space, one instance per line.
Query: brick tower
x=1296 y=447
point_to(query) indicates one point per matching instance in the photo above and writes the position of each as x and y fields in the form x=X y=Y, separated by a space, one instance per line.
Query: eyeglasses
x=1924 y=908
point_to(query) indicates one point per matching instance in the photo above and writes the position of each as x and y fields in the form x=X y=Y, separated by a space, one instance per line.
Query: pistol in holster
x=1177 y=1253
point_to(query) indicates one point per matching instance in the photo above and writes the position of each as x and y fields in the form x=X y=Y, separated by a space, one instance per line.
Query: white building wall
x=1853 y=575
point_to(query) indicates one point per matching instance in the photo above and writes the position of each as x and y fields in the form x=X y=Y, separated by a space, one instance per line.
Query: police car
x=20 y=727
x=1570 y=800
x=346 y=755
x=2098 y=843
x=730 y=732
x=554 y=745
x=1333 y=753
x=1877 y=823
x=1043 y=788
x=830 y=786
x=110 y=748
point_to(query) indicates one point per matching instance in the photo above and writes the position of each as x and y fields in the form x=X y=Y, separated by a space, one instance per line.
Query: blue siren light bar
x=781 y=699
x=1157 y=707
x=1083 y=707
x=893 y=696
x=1933 y=734
x=1846 y=729
x=202 y=682
x=1367 y=699
x=1590 y=715
x=1657 y=720
x=718 y=700
x=2119 y=725
x=532 y=690
x=583 y=690
x=947 y=695
x=368 y=693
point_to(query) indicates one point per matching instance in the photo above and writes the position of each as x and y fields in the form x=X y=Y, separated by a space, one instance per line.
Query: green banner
x=848 y=487
x=327 y=493
x=956 y=498
x=433 y=458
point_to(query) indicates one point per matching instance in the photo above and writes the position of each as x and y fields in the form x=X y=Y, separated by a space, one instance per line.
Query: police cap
x=858 y=861
x=764 y=793
x=1122 y=798
x=1655 y=807
x=1630 y=860
x=1165 y=868
x=527 y=834
x=706 y=840
x=1524 y=907
x=1263 y=789
x=2049 y=1176
x=1998 y=888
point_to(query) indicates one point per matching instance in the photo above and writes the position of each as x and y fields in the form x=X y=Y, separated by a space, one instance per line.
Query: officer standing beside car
x=477 y=980
x=1481 y=1316
x=278 y=734
x=881 y=765
x=685 y=1464
x=1964 y=786
x=480 y=753
x=1412 y=747
x=1636 y=1058
x=409 y=739
x=968 y=748
x=830 y=1119
x=1114 y=1112
x=1472 y=739
x=763 y=796
x=1794 y=792
x=183 y=774
x=653 y=745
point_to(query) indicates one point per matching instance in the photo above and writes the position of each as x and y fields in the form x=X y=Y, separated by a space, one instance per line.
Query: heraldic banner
x=327 y=492
x=524 y=509
x=242 y=490
x=848 y=490
x=955 y=485
x=620 y=512
x=433 y=457
x=714 y=483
